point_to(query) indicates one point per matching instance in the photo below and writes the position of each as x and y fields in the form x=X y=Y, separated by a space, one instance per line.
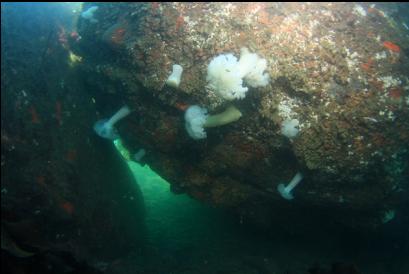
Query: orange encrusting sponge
x=391 y=46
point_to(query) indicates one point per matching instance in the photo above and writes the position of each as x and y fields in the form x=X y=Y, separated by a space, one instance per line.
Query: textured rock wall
x=63 y=189
x=339 y=69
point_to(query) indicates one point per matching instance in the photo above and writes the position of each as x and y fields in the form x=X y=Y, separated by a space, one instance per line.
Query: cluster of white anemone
x=226 y=76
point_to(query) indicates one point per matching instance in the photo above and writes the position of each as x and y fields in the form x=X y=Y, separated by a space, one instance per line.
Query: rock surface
x=339 y=69
x=64 y=190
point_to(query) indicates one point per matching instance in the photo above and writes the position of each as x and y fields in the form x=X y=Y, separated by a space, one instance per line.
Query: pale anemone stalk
x=197 y=119
x=285 y=191
x=105 y=127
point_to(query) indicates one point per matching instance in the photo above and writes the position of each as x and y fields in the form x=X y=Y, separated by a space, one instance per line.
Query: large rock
x=339 y=69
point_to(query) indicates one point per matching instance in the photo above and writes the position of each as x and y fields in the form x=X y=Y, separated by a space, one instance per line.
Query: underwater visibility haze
x=167 y=137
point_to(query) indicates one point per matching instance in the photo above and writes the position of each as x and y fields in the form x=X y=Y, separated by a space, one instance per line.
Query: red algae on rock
x=391 y=46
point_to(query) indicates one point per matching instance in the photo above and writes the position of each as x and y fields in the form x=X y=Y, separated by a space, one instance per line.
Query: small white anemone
x=285 y=191
x=174 y=78
x=105 y=127
x=225 y=74
x=252 y=68
x=89 y=14
x=196 y=119
x=224 y=77
x=289 y=128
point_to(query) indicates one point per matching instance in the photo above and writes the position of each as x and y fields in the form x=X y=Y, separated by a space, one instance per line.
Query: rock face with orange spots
x=63 y=190
x=339 y=69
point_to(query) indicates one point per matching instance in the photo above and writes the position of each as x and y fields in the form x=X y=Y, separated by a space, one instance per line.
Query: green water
x=176 y=220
